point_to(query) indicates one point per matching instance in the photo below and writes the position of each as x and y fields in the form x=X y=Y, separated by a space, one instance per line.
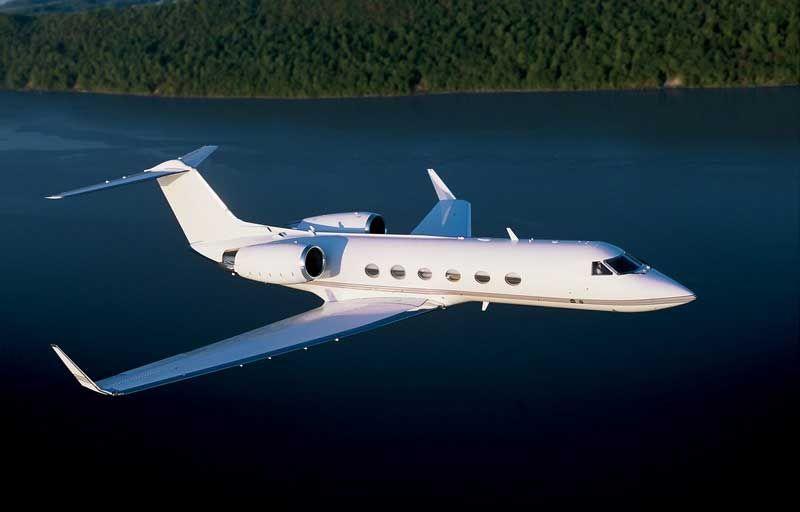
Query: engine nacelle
x=351 y=222
x=289 y=262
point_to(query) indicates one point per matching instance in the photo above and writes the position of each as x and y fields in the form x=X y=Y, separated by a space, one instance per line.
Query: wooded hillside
x=306 y=48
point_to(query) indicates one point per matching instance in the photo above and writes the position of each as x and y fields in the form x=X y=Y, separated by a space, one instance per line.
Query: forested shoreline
x=335 y=48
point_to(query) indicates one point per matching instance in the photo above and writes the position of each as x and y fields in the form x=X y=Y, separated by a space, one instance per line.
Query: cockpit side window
x=626 y=264
x=598 y=269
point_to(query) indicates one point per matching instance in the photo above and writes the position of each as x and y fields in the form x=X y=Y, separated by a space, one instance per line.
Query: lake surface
x=515 y=401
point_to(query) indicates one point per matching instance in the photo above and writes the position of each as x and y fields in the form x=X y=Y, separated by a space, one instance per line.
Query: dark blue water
x=515 y=402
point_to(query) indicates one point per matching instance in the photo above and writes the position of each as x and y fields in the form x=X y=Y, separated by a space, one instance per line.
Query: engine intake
x=313 y=260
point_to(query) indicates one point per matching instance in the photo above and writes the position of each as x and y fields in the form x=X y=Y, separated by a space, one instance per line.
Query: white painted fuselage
x=551 y=273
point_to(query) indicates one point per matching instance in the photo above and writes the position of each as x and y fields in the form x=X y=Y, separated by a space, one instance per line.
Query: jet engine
x=290 y=262
x=351 y=222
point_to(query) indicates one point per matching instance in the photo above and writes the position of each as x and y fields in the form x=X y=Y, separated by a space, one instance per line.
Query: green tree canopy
x=308 y=48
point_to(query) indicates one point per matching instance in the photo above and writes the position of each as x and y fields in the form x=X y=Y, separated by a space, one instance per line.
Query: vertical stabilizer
x=200 y=212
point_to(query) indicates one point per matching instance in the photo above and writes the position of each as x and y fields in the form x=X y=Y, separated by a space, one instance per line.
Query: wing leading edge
x=449 y=217
x=330 y=321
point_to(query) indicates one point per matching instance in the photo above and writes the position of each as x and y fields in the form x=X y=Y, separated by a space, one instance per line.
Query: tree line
x=308 y=48
x=46 y=6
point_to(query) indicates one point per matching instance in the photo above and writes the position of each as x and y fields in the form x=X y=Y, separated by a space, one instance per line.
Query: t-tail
x=202 y=215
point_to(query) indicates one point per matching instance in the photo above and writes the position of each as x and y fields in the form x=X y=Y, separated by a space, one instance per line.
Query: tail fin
x=200 y=212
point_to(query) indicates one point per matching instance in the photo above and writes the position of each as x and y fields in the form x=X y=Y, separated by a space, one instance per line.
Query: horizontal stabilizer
x=76 y=372
x=197 y=156
x=185 y=163
x=125 y=180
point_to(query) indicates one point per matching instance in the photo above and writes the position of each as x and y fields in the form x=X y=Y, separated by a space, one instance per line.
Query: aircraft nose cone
x=685 y=292
x=665 y=287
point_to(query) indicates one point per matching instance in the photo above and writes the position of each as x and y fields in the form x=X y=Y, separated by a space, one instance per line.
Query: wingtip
x=54 y=197
x=442 y=191
x=76 y=372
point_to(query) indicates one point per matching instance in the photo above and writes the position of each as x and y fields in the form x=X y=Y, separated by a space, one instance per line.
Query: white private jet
x=368 y=278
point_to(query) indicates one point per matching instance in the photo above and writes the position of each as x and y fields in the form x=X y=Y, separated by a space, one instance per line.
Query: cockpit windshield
x=627 y=264
x=598 y=269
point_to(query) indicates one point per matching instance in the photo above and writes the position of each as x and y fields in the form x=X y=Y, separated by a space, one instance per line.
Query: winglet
x=442 y=192
x=76 y=372
x=513 y=236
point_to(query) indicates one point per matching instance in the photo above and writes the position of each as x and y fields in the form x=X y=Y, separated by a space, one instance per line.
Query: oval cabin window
x=424 y=273
x=513 y=279
x=372 y=270
x=452 y=275
x=482 y=277
x=398 y=272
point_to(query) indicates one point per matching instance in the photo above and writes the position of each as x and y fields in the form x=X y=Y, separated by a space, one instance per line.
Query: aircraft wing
x=330 y=321
x=449 y=217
